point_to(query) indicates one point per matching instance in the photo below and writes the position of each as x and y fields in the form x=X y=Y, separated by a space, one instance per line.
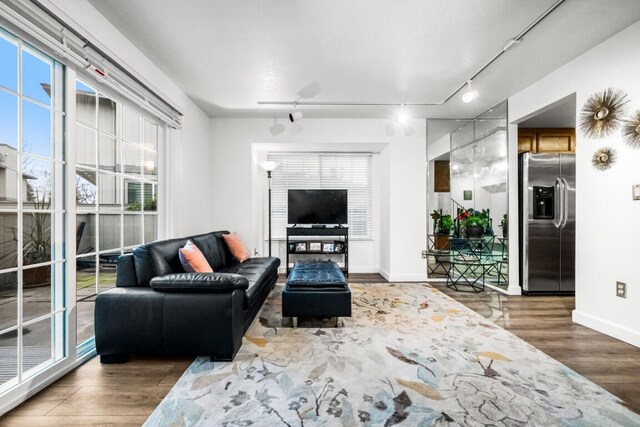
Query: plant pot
x=505 y=231
x=475 y=231
x=36 y=277
x=442 y=242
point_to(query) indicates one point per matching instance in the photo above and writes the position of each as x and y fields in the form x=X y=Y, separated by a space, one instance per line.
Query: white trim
x=363 y=269
x=609 y=328
x=403 y=277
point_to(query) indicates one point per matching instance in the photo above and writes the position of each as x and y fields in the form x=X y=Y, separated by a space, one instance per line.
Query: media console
x=318 y=241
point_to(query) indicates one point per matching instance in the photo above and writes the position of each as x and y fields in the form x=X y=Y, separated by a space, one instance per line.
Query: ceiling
x=228 y=55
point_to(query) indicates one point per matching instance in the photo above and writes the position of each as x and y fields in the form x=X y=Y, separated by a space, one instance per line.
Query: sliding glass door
x=116 y=173
x=32 y=260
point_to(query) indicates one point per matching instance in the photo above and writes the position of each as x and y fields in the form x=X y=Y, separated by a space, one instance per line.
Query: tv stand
x=338 y=236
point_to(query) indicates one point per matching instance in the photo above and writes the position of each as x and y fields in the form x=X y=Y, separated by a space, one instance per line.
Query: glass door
x=116 y=169
x=32 y=308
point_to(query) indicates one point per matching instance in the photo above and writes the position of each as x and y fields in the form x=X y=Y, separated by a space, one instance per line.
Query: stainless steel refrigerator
x=547 y=222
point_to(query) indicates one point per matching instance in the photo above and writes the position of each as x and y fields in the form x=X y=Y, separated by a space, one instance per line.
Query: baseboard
x=608 y=328
x=384 y=273
x=408 y=277
x=363 y=269
x=27 y=389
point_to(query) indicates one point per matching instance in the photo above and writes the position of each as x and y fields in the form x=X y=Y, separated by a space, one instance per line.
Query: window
x=324 y=171
x=31 y=212
x=112 y=158
x=116 y=192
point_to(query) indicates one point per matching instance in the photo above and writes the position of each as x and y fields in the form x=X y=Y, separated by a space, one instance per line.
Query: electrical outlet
x=636 y=192
x=621 y=289
x=424 y=254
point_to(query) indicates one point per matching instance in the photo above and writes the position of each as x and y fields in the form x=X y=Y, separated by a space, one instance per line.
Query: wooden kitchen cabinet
x=441 y=176
x=547 y=140
x=527 y=140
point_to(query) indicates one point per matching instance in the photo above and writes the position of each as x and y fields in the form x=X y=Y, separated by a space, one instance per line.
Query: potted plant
x=474 y=222
x=442 y=224
x=445 y=224
x=37 y=245
x=504 y=224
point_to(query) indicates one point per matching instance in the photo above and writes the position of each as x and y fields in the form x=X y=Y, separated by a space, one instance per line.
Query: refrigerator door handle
x=558 y=201
x=565 y=201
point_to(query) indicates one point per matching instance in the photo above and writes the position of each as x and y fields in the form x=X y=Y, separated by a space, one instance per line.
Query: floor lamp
x=269 y=166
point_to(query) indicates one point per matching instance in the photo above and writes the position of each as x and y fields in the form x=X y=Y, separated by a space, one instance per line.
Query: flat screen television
x=317 y=207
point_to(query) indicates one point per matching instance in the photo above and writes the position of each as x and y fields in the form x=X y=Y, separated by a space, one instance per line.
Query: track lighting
x=469 y=95
x=277 y=128
x=509 y=44
x=402 y=116
x=295 y=115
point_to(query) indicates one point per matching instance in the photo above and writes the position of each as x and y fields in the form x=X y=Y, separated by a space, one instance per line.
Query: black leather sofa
x=158 y=309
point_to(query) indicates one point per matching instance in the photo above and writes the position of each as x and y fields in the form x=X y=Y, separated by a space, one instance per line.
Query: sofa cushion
x=144 y=268
x=199 y=282
x=257 y=271
x=164 y=256
x=210 y=245
x=227 y=258
x=192 y=259
x=126 y=272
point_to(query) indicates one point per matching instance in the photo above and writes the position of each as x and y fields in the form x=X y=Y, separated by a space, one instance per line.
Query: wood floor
x=126 y=394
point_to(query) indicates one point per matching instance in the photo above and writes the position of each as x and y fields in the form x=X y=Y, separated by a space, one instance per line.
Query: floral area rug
x=410 y=355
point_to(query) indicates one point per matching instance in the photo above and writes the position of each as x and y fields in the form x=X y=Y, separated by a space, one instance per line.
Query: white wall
x=399 y=216
x=607 y=226
x=187 y=164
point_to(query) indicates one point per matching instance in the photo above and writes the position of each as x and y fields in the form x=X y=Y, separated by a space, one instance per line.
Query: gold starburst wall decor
x=631 y=130
x=603 y=113
x=604 y=158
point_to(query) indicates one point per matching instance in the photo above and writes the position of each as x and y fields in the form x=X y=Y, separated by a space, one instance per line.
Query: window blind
x=324 y=171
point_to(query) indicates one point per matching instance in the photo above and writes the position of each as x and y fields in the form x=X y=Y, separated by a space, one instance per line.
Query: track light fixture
x=510 y=44
x=469 y=95
x=295 y=115
x=402 y=116
x=277 y=128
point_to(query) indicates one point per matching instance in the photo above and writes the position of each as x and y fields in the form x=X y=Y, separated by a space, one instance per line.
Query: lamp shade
x=269 y=165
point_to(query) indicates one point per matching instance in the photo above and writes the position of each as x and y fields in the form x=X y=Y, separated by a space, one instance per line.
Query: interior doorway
x=546 y=205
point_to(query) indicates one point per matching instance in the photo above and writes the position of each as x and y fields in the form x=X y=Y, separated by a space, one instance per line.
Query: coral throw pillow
x=236 y=247
x=192 y=259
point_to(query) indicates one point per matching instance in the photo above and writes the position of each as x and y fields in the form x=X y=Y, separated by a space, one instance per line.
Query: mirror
x=478 y=168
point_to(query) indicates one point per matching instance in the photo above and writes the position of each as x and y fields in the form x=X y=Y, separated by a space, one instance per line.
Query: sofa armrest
x=199 y=282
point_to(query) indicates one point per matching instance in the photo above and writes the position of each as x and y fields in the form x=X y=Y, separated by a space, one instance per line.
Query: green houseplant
x=442 y=224
x=504 y=224
x=37 y=244
x=474 y=222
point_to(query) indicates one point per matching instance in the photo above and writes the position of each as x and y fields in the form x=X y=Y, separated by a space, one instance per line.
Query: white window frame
x=59 y=307
x=68 y=355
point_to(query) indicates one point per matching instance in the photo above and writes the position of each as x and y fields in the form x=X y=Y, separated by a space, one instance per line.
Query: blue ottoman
x=316 y=289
